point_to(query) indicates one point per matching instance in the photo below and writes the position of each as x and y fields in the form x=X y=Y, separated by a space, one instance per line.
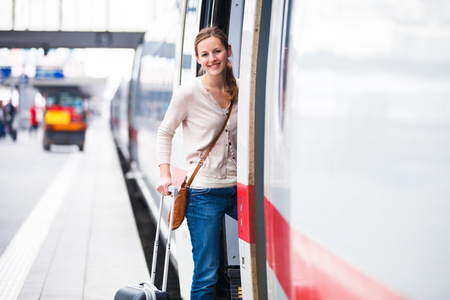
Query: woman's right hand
x=163 y=186
x=165 y=179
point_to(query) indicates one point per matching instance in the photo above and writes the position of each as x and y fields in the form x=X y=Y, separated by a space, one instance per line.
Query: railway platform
x=67 y=229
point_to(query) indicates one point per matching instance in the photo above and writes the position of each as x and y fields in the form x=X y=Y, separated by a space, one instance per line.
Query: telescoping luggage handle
x=173 y=194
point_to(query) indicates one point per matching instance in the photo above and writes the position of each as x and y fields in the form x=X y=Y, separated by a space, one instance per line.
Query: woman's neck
x=214 y=82
x=218 y=90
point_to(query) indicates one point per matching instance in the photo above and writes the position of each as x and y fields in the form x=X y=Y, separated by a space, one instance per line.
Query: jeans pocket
x=199 y=192
x=198 y=202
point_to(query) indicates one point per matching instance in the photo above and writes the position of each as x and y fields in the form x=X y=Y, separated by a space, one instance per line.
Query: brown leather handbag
x=181 y=201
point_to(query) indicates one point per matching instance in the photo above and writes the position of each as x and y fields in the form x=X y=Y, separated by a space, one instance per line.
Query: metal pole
x=107 y=15
x=13 y=14
x=60 y=14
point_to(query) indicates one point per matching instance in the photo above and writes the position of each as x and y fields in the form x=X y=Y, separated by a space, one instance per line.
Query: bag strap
x=200 y=163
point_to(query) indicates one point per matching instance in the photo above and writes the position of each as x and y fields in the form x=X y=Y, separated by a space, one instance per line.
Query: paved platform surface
x=67 y=229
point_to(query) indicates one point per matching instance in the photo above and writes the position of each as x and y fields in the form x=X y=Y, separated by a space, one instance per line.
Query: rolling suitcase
x=147 y=290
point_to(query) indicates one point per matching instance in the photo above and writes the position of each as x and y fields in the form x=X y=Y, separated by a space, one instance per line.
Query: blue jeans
x=204 y=213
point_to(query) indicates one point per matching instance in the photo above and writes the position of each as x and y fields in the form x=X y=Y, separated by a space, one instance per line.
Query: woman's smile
x=214 y=66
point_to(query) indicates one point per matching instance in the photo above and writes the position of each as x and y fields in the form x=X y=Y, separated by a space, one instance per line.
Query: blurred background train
x=65 y=121
x=343 y=143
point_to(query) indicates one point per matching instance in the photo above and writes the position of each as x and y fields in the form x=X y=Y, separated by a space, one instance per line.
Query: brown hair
x=215 y=31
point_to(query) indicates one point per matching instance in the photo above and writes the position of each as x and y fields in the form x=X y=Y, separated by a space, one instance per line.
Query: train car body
x=65 y=118
x=119 y=121
x=343 y=138
x=356 y=151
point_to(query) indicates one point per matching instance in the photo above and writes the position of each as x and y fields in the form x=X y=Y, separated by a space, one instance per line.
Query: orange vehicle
x=65 y=119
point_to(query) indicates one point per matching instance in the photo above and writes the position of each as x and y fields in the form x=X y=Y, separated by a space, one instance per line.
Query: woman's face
x=212 y=55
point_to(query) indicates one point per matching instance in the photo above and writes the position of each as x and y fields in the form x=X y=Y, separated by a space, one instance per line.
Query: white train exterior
x=343 y=142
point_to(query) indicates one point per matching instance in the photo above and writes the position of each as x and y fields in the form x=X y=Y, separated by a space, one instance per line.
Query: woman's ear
x=196 y=57
x=229 y=50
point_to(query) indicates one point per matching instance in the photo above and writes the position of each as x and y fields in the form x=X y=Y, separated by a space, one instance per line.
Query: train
x=343 y=143
x=65 y=120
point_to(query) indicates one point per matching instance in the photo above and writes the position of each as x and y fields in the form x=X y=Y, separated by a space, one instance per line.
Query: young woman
x=201 y=107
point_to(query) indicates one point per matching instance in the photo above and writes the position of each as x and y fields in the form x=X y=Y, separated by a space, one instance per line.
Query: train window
x=157 y=66
x=52 y=100
x=216 y=12
x=283 y=65
x=188 y=71
x=235 y=33
x=227 y=15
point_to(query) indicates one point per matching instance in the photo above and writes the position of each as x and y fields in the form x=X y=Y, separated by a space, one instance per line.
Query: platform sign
x=5 y=73
x=49 y=74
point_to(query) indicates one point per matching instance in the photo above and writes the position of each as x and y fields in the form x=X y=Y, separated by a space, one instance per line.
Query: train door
x=252 y=89
x=133 y=92
x=228 y=15
x=233 y=28
x=278 y=160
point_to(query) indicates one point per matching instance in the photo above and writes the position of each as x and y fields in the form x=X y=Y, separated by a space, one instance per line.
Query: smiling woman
x=202 y=108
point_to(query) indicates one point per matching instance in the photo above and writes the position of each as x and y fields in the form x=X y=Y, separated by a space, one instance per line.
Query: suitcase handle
x=151 y=290
x=173 y=193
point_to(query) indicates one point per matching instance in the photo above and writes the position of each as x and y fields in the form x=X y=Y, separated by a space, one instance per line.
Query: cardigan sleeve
x=175 y=115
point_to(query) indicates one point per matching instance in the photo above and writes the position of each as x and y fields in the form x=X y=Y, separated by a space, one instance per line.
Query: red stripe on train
x=246 y=212
x=306 y=270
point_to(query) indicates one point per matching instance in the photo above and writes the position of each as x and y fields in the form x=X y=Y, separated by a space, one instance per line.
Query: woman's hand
x=165 y=179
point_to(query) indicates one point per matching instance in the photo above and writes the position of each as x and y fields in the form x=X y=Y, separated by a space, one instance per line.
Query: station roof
x=90 y=87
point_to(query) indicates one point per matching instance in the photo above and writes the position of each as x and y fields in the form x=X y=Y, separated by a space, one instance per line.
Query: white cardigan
x=202 y=119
